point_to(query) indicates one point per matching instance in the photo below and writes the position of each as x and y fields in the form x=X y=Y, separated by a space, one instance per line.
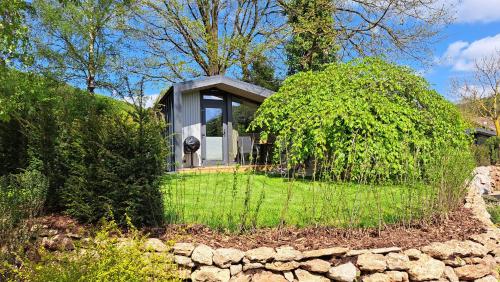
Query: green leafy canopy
x=365 y=117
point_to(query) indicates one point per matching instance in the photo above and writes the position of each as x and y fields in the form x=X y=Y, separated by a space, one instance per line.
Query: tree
x=394 y=28
x=362 y=120
x=187 y=38
x=314 y=38
x=78 y=41
x=262 y=73
x=13 y=30
x=182 y=39
x=480 y=93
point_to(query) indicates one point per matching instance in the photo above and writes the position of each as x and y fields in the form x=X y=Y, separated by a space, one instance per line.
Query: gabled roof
x=231 y=85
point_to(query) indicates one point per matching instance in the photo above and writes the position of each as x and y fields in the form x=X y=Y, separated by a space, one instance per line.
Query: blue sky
x=475 y=33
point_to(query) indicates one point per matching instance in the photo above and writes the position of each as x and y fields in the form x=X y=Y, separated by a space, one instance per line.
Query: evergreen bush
x=96 y=152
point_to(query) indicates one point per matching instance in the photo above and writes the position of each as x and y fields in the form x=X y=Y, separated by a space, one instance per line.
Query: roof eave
x=249 y=90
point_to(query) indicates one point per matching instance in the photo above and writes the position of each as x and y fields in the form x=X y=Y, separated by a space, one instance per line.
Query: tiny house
x=216 y=110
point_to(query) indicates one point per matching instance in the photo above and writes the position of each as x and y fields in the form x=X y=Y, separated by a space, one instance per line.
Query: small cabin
x=217 y=111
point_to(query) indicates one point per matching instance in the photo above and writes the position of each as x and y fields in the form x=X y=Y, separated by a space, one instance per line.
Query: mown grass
x=237 y=201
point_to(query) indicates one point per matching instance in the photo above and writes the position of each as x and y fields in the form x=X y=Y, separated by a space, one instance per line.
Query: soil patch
x=459 y=225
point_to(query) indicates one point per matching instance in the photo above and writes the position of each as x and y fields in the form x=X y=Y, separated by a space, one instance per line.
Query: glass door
x=213 y=110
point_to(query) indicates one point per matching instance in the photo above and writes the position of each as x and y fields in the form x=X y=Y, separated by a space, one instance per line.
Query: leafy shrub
x=493 y=207
x=22 y=196
x=495 y=214
x=481 y=154
x=367 y=120
x=107 y=257
x=449 y=174
x=493 y=146
x=487 y=153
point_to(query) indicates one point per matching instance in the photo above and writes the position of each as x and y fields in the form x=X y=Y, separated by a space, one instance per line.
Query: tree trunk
x=213 y=44
x=497 y=126
x=91 y=65
x=245 y=69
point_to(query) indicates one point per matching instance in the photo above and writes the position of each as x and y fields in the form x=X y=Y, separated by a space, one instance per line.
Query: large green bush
x=366 y=120
x=114 y=162
x=96 y=153
x=487 y=152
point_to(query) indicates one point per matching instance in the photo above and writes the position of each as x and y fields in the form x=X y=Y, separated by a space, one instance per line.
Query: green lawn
x=226 y=200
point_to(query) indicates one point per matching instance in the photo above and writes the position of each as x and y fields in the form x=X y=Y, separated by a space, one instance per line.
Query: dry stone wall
x=475 y=259
x=495 y=178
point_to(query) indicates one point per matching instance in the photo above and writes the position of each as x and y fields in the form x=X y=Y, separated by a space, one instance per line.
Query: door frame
x=222 y=104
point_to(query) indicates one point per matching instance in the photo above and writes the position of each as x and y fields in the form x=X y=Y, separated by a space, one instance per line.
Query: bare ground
x=459 y=224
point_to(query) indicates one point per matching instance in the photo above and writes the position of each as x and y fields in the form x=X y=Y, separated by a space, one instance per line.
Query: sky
x=475 y=33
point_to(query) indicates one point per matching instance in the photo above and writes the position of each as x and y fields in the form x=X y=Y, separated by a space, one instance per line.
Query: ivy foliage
x=313 y=42
x=367 y=120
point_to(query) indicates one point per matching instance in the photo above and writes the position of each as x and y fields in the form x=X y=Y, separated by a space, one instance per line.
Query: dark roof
x=484 y=132
x=231 y=85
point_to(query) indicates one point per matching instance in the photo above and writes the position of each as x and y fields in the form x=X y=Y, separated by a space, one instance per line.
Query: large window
x=214 y=113
x=243 y=141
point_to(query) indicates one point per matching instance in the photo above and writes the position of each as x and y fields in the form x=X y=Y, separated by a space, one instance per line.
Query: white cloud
x=472 y=91
x=151 y=99
x=473 y=11
x=460 y=55
x=148 y=100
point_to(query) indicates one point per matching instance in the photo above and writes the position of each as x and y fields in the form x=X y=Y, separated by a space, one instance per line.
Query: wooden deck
x=224 y=168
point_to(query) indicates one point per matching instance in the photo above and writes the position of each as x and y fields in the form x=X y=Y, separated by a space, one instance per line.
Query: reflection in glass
x=214 y=134
x=213 y=118
x=213 y=97
x=242 y=141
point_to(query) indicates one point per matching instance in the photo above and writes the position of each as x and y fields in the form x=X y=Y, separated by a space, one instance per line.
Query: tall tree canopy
x=314 y=39
x=175 y=40
x=13 y=30
x=262 y=73
x=187 y=38
x=403 y=29
x=180 y=39
x=78 y=41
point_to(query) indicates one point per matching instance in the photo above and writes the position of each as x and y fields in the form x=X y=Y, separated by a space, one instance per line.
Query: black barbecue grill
x=191 y=145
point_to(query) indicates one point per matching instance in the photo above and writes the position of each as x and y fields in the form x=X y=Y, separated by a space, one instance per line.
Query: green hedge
x=96 y=152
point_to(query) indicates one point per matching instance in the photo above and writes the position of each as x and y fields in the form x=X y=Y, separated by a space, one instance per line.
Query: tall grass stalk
x=320 y=194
